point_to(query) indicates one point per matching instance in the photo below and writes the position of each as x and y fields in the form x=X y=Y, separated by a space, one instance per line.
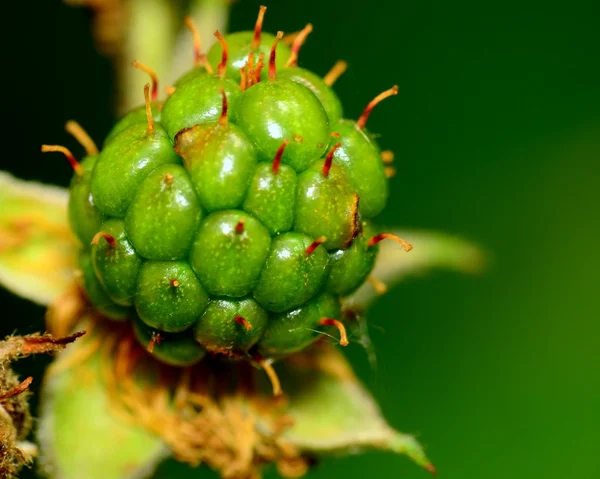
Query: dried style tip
x=259 y=66
x=239 y=228
x=68 y=155
x=112 y=242
x=339 y=325
x=243 y=79
x=297 y=44
x=387 y=156
x=336 y=71
x=278 y=155
x=379 y=286
x=224 y=108
x=314 y=245
x=272 y=56
x=268 y=368
x=199 y=57
x=222 y=67
x=169 y=90
x=380 y=237
x=149 y=116
x=153 y=76
x=258 y=27
x=175 y=283
x=168 y=179
x=156 y=339
x=335 y=134
x=389 y=171
x=75 y=130
x=362 y=120
x=242 y=322
x=329 y=160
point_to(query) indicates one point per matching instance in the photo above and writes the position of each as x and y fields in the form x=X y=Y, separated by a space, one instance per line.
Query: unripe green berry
x=115 y=262
x=293 y=273
x=293 y=331
x=229 y=252
x=275 y=110
x=169 y=295
x=96 y=292
x=230 y=327
x=129 y=157
x=134 y=117
x=220 y=160
x=178 y=349
x=164 y=214
x=199 y=101
x=84 y=218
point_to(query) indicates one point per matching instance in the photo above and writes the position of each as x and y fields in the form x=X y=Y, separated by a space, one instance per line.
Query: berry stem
x=341 y=328
x=76 y=130
x=242 y=322
x=112 y=242
x=380 y=237
x=77 y=168
x=149 y=116
x=329 y=160
x=278 y=155
x=272 y=57
x=258 y=27
x=362 y=120
x=297 y=44
x=224 y=108
x=222 y=67
x=153 y=76
x=272 y=374
x=336 y=71
x=314 y=245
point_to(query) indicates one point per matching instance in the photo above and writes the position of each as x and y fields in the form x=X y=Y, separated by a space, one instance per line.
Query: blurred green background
x=497 y=137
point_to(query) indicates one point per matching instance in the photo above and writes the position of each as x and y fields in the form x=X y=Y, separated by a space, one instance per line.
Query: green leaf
x=332 y=412
x=78 y=434
x=431 y=250
x=37 y=249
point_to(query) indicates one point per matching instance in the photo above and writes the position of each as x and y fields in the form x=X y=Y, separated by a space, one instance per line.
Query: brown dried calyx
x=15 y=419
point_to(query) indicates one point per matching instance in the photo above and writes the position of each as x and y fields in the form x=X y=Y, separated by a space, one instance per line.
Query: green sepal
x=85 y=218
x=229 y=262
x=116 y=266
x=124 y=164
x=276 y=110
x=220 y=160
x=330 y=101
x=199 y=101
x=164 y=214
x=327 y=206
x=219 y=332
x=290 y=276
x=271 y=197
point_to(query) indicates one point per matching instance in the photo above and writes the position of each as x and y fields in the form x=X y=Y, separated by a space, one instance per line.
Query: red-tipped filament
x=272 y=57
x=297 y=45
x=224 y=108
x=110 y=240
x=152 y=74
x=362 y=120
x=243 y=322
x=336 y=71
x=222 y=67
x=380 y=237
x=278 y=156
x=239 y=227
x=154 y=340
x=77 y=168
x=329 y=160
x=314 y=245
x=341 y=328
x=199 y=57
x=258 y=27
x=75 y=129
x=149 y=116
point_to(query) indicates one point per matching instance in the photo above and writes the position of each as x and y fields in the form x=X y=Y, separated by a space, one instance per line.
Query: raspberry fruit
x=232 y=217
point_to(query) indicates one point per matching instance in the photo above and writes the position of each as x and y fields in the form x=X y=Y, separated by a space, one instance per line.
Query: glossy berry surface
x=232 y=217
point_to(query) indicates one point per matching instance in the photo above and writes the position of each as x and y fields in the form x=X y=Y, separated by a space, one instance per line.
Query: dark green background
x=497 y=135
